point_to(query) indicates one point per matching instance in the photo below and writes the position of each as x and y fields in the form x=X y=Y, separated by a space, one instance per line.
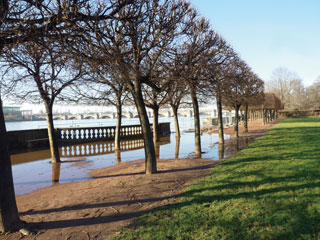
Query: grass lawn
x=271 y=190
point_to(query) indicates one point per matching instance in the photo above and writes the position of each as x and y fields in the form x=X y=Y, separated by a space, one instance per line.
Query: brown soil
x=96 y=208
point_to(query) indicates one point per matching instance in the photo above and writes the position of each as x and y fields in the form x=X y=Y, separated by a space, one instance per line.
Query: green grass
x=271 y=190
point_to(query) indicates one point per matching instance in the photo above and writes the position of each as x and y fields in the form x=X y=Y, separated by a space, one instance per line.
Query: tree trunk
x=176 y=120
x=56 y=173
x=157 y=149
x=118 y=126
x=220 y=119
x=177 y=147
x=150 y=156
x=117 y=155
x=54 y=149
x=246 y=118
x=155 y=125
x=236 y=122
x=9 y=217
x=230 y=117
x=221 y=151
x=197 y=130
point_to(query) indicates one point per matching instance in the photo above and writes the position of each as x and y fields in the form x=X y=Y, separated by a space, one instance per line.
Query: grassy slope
x=271 y=190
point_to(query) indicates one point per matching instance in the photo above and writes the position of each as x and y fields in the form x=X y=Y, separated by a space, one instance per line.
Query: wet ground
x=32 y=170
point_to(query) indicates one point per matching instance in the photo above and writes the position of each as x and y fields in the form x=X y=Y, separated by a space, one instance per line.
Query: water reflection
x=98 y=148
x=85 y=150
x=233 y=146
x=163 y=141
x=32 y=170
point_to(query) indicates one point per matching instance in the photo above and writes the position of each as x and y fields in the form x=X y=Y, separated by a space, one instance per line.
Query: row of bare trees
x=150 y=53
x=289 y=87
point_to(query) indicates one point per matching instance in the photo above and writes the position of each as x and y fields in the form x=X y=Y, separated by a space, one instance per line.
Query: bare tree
x=155 y=97
x=103 y=87
x=271 y=105
x=298 y=99
x=313 y=94
x=155 y=92
x=253 y=94
x=234 y=94
x=217 y=72
x=198 y=47
x=22 y=21
x=279 y=83
x=288 y=86
x=143 y=29
x=41 y=72
x=177 y=91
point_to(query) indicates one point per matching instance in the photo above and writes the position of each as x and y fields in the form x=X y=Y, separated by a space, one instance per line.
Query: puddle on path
x=32 y=170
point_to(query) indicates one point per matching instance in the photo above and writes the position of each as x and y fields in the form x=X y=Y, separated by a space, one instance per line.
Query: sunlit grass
x=271 y=190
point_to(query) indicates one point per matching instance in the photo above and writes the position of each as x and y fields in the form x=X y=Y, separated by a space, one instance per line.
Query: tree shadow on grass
x=298 y=210
x=285 y=203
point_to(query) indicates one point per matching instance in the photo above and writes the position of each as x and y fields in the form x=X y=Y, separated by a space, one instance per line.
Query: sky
x=268 y=34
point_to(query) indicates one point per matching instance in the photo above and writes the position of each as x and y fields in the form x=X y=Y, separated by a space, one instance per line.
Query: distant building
x=8 y=110
x=12 y=113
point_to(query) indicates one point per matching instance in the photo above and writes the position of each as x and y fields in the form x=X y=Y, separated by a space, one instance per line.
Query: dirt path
x=96 y=208
x=256 y=128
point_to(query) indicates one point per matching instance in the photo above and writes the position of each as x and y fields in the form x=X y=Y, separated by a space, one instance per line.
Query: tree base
x=14 y=227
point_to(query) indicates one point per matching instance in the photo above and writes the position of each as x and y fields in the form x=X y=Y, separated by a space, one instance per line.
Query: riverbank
x=93 y=209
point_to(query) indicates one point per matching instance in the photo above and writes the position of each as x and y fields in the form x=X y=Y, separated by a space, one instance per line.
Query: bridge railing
x=38 y=138
x=94 y=134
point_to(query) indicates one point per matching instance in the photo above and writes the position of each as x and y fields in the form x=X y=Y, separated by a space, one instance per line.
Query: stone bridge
x=112 y=115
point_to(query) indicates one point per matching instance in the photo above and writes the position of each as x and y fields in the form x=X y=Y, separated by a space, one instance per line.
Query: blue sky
x=269 y=34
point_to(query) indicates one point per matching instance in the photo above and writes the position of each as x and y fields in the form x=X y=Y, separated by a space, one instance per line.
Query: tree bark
x=54 y=149
x=118 y=126
x=157 y=149
x=155 y=125
x=150 y=156
x=9 y=217
x=221 y=151
x=220 y=119
x=236 y=122
x=246 y=118
x=118 y=155
x=177 y=147
x=197 y=130
x=230 y=117
x=56 y=173
x=176 y=120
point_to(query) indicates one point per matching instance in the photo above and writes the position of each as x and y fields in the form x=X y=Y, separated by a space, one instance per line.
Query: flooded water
x=32 y=170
